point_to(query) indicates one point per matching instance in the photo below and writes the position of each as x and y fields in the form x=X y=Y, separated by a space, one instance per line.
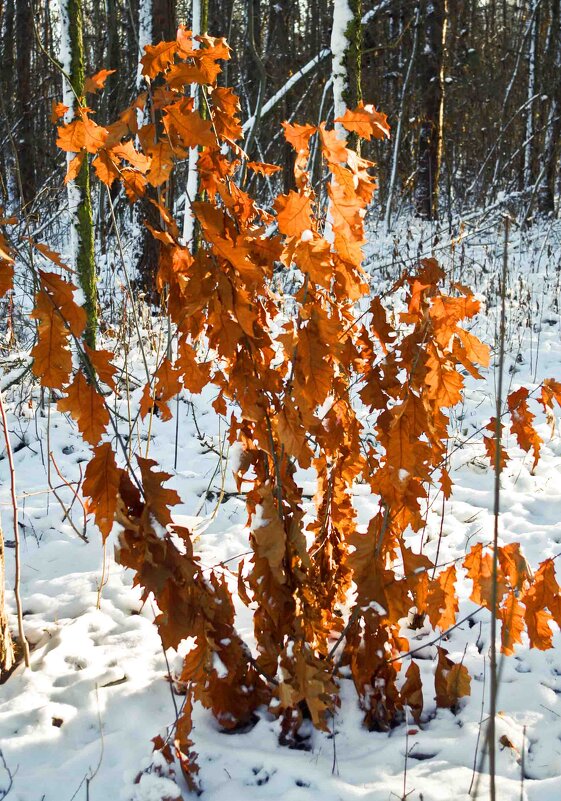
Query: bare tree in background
x=431 y=98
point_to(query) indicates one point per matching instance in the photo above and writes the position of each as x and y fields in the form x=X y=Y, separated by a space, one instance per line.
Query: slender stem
x=17 y=580
x=496 y=511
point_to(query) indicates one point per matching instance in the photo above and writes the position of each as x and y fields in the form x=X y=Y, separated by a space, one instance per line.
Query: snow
x=82 y=717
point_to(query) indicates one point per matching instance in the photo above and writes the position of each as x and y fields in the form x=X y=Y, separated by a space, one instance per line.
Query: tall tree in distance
x=24 y=97
x=79 y=197
x=279 y=63
x=529 y=143
x=157 y=23
x=551 y=85
x=430 y=77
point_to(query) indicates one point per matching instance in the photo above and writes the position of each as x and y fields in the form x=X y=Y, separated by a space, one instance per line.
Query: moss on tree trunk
x=85 y=261
x=353 y=65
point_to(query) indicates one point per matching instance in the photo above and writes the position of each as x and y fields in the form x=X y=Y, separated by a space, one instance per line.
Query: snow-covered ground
x=78 y=724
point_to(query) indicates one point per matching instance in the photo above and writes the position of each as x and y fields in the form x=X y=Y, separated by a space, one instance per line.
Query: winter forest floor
x=78 y=724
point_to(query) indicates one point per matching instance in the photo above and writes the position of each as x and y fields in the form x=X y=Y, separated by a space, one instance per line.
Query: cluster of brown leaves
x=290 y=392
x=522 y=421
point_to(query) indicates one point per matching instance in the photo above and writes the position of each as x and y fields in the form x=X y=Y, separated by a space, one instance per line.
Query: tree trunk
x=400 y=118
x=430 y=79
x=79 y=197
x=6 y=81
x=24 y=96
x=199 y=21
x=156 y=18
x=529 y=141
x=281 y=62
x=552 y=80
x=346 y=47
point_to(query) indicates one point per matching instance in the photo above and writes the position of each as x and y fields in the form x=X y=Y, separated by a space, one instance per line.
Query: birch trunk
x=193 y=172
x=346 y=49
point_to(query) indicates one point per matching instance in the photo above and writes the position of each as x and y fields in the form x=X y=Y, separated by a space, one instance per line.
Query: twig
x=17 y=579
x=522 y=766
x=67 y=515
x=479 y=730
x=5 y=790
x=496 y=511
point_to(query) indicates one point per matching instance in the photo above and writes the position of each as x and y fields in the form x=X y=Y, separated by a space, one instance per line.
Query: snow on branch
x=272 y=102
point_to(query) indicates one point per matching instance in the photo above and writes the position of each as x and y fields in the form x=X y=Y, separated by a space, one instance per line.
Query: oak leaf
x=452 y=681
x=294 y=213
x=6 y=267
x=550 y=391
x=476 y=351
x=412 y=691
x=522 y=421
x=87 y=407
x=490 y=444
x=128 y=152
x=157 y=58
x=332 y=147
x=101 y=361
x=52 y=360
x=49 y=254
x=314 y=258
x=105 y=168
x=96 y=82
x=187 y=124
x=195 y=376
x=58 y=314
x=442 y=603
x=62 y=295
x=82 y=133
x=511 y=615
x=263 y=169
x=444 y=383
x=101 y=485
x=74 y=167
x=157 y=497
x=58 y=110
x=165 y=385
x=366 y=122
x=479 y=568
x=270 y=537
x=298 y=135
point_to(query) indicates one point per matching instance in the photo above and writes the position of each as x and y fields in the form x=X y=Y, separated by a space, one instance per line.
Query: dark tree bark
x=431 y=94
x=164 y=22
x=24 y=99
x=164 y=28
x=280 y=61
x=551 y=78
